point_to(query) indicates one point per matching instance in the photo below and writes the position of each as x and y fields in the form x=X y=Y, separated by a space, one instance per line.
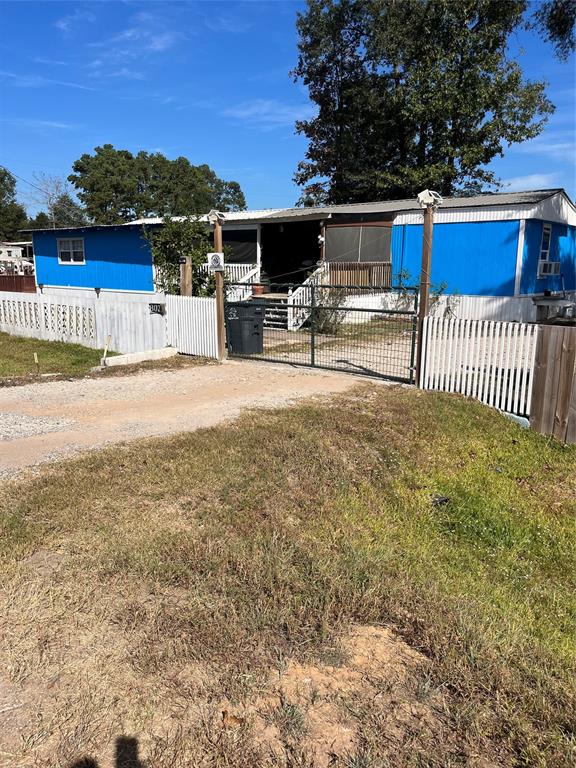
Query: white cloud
x=128 y=74
x=269 y=113
x=227 y=23
x=68 y=24
x=50 y=62
x=38 y=81
x=531 y=181
x=37 y=125
x=145 y=34
x=162 y=42
x=555 y=149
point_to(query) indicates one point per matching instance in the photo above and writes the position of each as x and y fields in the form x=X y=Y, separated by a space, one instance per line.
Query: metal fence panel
x=344 y=328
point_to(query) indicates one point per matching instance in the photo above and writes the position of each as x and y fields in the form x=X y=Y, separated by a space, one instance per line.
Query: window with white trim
x=545 y=266
x=71 y=251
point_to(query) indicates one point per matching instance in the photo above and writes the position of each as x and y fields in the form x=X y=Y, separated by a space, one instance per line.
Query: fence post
x=424 y=282
x=312 y=323
x=220 y=326
x=553 y=406
x=414 y=374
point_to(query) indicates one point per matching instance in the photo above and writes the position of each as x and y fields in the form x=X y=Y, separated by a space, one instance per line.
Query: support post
x=186 y=277
x=258 y=251
x=424 y=295
x=219 y=276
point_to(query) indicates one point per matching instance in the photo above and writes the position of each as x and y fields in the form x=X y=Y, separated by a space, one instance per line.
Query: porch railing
x=243 y=291
x=363 y=274
x=300 y=299
x=238 y=273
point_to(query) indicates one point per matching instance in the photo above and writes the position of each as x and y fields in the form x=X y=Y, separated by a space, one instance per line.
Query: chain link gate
x=358 y=329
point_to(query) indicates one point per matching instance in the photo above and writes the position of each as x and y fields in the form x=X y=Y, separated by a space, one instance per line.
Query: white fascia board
x=555 y=208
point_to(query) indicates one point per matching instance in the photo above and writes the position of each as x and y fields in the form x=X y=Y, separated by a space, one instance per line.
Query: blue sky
x=208 y=80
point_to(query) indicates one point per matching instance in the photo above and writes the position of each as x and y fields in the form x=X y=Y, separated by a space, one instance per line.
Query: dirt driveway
x=46 y=421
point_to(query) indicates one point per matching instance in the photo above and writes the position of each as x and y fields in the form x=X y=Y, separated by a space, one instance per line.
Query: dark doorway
x=290 y=251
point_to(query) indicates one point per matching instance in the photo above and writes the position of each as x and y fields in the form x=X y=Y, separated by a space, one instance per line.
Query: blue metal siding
x=472 y=258
x=115 y=259
x=562 y=249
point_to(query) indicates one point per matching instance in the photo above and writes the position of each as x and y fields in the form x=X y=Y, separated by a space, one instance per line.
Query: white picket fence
x=132 y=326
x=191 y=325
x=490 y=361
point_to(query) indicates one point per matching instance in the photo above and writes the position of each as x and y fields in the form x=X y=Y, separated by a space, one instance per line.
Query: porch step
x=276 y=311
x=276 y=317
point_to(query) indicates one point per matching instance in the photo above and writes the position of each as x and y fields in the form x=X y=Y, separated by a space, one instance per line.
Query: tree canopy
x=114 y=185
x=178 y=239
x=414 y=94
x=59 y=209
x=12 y=214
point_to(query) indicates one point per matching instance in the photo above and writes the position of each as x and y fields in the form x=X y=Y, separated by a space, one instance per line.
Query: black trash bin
x=245 y=328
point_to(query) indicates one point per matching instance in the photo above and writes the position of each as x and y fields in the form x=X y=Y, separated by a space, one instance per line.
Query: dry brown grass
x=293 y=570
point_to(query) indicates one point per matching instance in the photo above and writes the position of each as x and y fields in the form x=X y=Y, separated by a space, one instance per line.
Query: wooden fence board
x=571 y=425
x=18 y=283
x=553 y=410
x=565 y=382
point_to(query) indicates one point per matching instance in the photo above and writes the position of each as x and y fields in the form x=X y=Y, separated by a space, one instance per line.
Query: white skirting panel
x=131 y=326
x=504 y=308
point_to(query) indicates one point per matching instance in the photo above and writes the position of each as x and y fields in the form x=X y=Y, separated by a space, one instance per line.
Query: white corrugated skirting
x=131 y=325
x=192 y=325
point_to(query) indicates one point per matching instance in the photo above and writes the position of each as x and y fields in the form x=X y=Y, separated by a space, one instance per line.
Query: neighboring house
x=508 y=244
x=16 y=258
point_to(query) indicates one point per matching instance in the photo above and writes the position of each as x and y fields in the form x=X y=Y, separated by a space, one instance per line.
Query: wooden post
x=186 y=277
x=553 y=405
x=259 y=251
x=322 y=241
x=220 y=327
x=424 y=297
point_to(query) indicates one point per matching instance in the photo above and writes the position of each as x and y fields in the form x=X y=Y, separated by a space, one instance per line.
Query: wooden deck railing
x=365 y=274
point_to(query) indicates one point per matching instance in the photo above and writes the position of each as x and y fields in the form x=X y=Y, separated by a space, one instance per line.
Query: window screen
x=357 y=244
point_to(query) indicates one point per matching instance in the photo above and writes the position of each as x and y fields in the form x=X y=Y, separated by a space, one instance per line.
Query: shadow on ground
x=126 y=755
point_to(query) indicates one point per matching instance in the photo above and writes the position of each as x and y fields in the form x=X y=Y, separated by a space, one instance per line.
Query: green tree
x=40 y=221
x=176 y=240
x=411 y=94
x=117 y=186
x=12 y=214
x=67 y=213
x=106 y=184
x=555 y=20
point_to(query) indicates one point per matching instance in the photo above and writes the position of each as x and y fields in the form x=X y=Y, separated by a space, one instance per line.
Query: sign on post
x=215 y=261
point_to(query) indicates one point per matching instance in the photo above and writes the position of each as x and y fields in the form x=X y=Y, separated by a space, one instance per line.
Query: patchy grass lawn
x=17 y=364
x=385 y=578
x=17 y=357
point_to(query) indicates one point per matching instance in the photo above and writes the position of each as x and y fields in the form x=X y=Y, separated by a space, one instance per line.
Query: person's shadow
x=126 y=755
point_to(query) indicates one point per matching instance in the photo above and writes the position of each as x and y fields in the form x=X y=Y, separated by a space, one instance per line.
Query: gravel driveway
x=47 y=421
